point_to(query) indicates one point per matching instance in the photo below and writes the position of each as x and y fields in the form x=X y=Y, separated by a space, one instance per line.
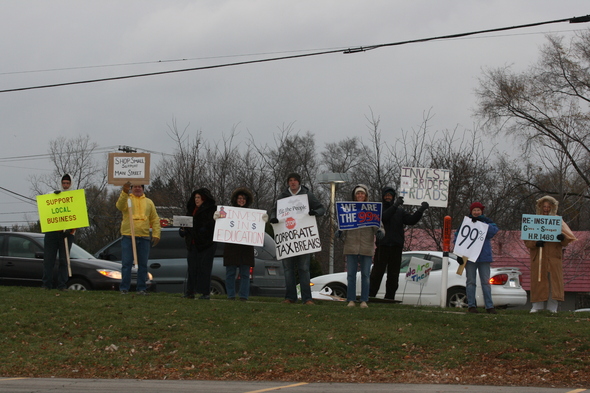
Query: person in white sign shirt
x=550 y=286
x=238 y=257
x=299 y=262
x=359 y=248
x=482 y=265
x=54 y=242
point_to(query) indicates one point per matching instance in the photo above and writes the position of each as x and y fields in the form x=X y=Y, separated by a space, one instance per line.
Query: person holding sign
x=359 y=247
x=299 y=262
x=388 y=254
x=483 y=262
x=139 y=214
x=199 y=243
x=546 y=262
x=56 y=241
x=238 y=257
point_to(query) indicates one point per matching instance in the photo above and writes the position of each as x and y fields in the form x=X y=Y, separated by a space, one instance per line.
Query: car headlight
x=114 y=274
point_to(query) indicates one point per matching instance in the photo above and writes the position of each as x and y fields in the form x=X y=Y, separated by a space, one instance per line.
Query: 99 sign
x=364 y=216
x=470 y=233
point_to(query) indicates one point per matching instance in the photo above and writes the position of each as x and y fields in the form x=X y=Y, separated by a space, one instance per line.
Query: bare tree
x=73 y=156
x=546 y=108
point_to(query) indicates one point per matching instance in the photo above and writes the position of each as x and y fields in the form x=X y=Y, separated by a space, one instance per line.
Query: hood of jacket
x=241 y=191
x=204 y=193
x=554 y=205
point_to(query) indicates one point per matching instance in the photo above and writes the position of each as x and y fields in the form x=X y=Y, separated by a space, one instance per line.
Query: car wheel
x=78 y=284
x=337 y=290
x=217 y=288
x=457 y=297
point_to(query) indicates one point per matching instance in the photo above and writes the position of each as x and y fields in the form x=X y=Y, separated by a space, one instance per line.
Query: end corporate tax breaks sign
x=66 y=210
x=296 y=233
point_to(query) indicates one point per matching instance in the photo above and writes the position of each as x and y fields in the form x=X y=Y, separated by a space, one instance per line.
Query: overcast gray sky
x=45 y=42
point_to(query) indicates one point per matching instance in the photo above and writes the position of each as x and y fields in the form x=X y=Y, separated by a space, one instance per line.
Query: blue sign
x=537 y=227
x=352 y=215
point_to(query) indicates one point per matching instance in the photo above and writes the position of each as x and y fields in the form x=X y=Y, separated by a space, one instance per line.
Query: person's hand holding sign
x=155 y=241
x=127 y=187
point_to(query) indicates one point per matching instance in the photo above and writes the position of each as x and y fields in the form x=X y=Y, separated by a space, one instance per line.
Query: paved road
x=61 y=385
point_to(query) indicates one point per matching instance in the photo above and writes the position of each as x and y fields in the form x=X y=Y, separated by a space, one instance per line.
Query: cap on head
x=476 y=205
x=293 y=176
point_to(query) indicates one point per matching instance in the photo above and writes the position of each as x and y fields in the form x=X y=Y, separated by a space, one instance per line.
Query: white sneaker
x=351 y=304
x=364 y=305
x=534 y=310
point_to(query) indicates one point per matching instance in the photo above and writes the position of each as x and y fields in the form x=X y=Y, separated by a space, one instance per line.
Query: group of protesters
x=379 y=247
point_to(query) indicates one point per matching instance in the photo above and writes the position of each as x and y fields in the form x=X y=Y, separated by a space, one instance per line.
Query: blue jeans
x=352 y=264
x=54 y=243
x=143 y=253
x=230 y=281
x=484 y=277
x=301 y=262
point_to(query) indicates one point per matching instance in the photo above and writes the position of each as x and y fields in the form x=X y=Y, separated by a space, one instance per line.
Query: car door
x=167 y=262
x=268 y=277
x=22 y=261
x=420 y=293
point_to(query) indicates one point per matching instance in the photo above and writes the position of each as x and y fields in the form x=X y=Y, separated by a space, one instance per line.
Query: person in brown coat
x=238 y=257
x=547 y=286
x=359 y=248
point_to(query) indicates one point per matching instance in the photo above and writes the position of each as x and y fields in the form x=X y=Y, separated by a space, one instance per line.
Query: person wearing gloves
x=143 y=216
x=388 y=254
x=549 y=256
x=238 y=257
x=54 y=242
x=482 y=265
x=199 y=243
x=359 y=248
x=299 y=262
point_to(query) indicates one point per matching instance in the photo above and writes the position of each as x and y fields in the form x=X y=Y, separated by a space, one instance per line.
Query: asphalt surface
x=62 y=385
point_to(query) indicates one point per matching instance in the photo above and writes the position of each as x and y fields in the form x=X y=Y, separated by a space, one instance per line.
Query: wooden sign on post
x=129 y=167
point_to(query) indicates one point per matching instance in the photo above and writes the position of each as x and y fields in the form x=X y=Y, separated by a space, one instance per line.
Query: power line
x=582 y=19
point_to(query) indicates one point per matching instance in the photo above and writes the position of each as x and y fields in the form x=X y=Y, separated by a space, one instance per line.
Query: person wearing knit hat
x=54 y=243
x=388 y=254
x=482 y=264
x=546 y=262
x=301 y=263
x=359 y=248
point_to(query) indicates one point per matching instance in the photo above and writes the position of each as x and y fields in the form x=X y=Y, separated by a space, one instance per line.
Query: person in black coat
x=238 y=257
x=388 y=254
x=199 y=243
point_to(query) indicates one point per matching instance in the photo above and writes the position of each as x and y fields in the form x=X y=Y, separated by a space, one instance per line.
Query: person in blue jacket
x=482 y=264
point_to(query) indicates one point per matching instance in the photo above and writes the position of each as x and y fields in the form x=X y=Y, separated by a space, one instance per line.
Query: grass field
x=163 y=336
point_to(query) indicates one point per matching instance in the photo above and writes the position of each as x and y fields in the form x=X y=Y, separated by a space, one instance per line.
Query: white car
x=506 y=288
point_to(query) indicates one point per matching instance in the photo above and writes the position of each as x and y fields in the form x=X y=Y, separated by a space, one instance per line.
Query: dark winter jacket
x=239 y=254
x=394 y=219
x=201 y=234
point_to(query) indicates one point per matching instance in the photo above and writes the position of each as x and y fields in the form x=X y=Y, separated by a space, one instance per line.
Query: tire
x=337 y=290
x=457 y=297
x=78 y=284
x=217 y=288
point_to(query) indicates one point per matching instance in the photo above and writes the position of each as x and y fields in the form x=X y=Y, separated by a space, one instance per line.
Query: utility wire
x=581 y=19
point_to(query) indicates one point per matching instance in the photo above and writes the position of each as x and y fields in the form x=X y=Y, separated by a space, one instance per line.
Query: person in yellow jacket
x=144 y=216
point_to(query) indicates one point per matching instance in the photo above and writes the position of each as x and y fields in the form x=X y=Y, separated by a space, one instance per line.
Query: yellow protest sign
x=66 y=210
